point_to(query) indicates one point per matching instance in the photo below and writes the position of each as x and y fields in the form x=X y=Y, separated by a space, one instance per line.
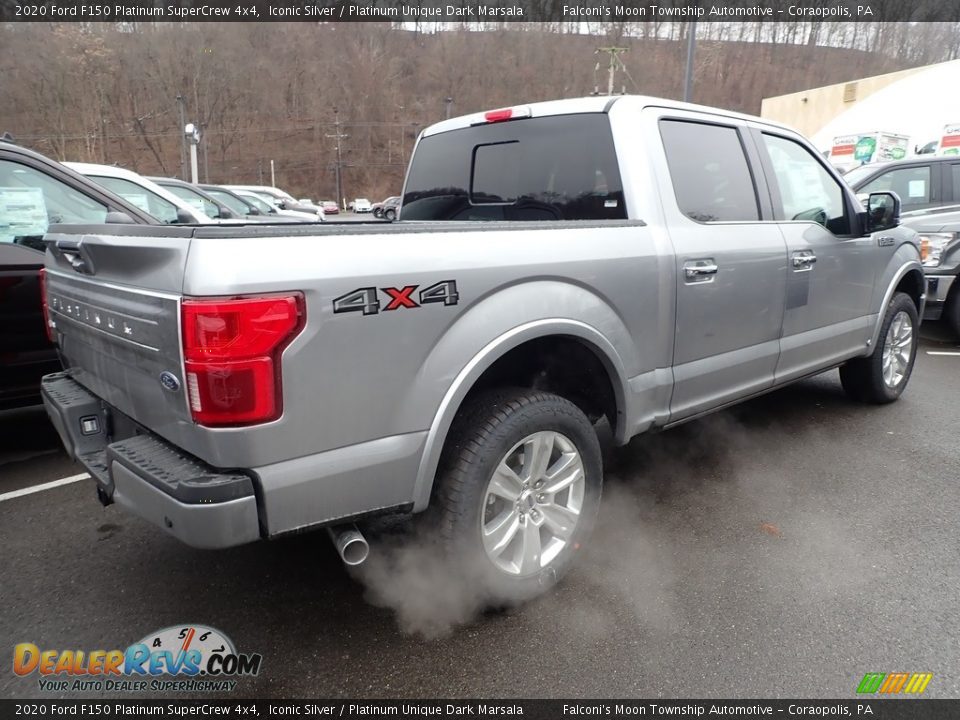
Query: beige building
x=810 y=110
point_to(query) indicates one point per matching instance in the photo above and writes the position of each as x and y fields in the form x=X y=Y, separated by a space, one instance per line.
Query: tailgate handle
x=77 y=255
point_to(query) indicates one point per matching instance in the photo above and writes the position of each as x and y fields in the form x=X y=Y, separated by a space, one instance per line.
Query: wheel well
x=913 y=285
x=562 y=365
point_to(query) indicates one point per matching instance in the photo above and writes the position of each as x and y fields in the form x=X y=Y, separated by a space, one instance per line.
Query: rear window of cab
x=561 y=167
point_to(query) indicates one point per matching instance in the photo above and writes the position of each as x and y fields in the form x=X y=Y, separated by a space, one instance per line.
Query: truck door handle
x=699 y=270
x=803 y=260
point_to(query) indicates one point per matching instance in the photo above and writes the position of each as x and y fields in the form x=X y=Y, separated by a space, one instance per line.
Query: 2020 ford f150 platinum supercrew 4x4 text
x=653 y=261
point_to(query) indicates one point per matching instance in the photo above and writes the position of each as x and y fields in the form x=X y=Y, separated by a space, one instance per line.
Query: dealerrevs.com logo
x=185 y=657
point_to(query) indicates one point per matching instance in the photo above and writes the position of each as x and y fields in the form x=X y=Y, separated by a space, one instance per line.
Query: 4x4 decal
x=367 y=299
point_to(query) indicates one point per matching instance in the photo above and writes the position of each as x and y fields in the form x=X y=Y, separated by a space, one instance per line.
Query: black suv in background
x=940 y=248
x=36 y=192
x=929 y=190
x=387 y=209
x=923 y=182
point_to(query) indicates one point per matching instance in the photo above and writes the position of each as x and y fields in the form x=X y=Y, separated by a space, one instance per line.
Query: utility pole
x=206 y=162
x=691 y=44
x=338 y=135
x=614 y=52
x=273 y=178
x=449 y=102
x=192 y=133
x=181 y=105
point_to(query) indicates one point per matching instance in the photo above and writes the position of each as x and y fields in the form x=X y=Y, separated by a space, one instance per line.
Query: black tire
x=863 y=378
x=390 y=214
x=377 y=212
x=483 y=435
x=951 y=310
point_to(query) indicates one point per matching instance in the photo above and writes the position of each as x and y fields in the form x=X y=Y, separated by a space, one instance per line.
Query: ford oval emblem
x=169 y=381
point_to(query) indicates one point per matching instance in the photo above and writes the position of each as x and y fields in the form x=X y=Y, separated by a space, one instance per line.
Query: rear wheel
x=518 y=491
x=390 y=214
x=882 y=376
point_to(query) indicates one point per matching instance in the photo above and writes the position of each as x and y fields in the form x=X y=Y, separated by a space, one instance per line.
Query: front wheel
x=882 y=376
x=390 y=214
x=518 y=491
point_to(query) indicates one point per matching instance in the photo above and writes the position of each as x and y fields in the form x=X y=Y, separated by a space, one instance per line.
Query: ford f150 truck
x=638 y=260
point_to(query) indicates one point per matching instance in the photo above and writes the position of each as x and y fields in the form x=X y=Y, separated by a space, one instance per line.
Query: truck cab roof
x=573 y=106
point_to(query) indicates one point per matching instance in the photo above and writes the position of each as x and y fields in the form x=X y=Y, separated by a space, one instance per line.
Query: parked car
x=300 y=206
x=925 y=183
x=230 y=198
x=289 y=207
x=330 y=207
x=940 y=248
x=659 y=261
x=198 y=198
x=268 y=208
x=388 y=209
x=143 y=193
x=35 y=193
x=245 y=208
x=273 y=192
x=281 y=200
x=362 y=205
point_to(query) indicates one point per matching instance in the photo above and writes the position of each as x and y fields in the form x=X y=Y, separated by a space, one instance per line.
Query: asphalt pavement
x=783 y=548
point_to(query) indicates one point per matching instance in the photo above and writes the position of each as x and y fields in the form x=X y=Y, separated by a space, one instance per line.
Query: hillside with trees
x=282 y=91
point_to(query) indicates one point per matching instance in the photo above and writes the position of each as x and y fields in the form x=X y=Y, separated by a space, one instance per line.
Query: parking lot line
x=942 y=352
x=45 y=486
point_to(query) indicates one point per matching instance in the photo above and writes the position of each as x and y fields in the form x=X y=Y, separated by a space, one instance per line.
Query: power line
x=612 y=68
x=338 y=135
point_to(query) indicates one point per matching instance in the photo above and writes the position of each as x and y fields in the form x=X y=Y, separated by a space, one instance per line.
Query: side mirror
x=253 y=211
x=883 y=212
x=184 y=217
x=115 y=217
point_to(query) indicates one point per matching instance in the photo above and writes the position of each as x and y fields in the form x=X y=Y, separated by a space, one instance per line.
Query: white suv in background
x=144 y=193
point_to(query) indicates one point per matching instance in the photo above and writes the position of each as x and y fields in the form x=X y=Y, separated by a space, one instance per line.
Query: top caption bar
x=479 y=11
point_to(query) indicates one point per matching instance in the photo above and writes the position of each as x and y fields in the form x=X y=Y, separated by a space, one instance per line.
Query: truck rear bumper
x=199 y=505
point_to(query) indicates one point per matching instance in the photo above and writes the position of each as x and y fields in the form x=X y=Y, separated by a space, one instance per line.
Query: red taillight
x=232 y=353
x=498 y=115
x=47 y=324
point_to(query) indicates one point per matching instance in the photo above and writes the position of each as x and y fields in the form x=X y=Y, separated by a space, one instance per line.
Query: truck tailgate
x=116 y=305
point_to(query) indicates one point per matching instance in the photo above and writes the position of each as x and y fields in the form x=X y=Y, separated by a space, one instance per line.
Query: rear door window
x=708 y=167
x=562 y=167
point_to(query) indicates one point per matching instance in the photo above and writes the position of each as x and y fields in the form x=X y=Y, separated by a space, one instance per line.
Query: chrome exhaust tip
x=350 y=543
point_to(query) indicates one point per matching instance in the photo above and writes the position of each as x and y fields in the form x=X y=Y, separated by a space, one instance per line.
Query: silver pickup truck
x=629 y=258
